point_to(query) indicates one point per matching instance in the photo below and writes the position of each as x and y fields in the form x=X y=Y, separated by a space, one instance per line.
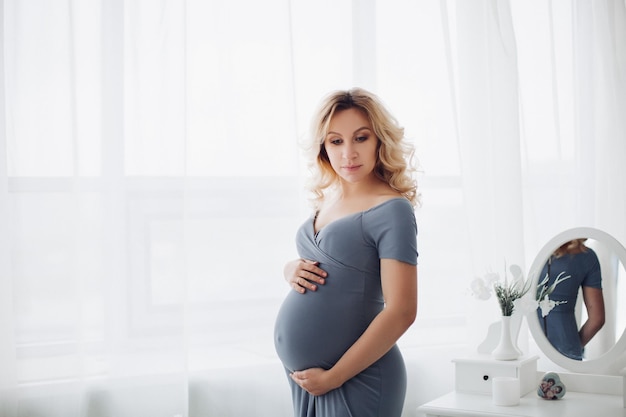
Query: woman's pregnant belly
x=314 y=329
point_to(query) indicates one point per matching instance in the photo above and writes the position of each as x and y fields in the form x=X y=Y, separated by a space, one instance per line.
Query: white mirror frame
x=613 y=361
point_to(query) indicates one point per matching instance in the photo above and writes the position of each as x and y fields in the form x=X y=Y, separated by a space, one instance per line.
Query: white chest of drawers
x=474 y=375
x=587 y=395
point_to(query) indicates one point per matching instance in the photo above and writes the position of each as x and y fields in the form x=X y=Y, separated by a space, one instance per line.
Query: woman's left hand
x=315 y=381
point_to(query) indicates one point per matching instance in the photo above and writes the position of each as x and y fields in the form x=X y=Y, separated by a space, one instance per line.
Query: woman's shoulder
x=393 y=213
x=590 y=259
x=392 y=227
x=393 y=203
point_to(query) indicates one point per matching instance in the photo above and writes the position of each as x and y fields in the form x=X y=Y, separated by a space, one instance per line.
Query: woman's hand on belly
x=316 y=381
x=304 y=274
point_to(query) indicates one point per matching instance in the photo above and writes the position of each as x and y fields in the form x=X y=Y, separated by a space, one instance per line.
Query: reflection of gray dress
x=560 y=326
x=315 y=329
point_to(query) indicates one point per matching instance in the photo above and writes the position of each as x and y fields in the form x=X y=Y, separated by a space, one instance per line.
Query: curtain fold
x=606 y=103
x=489 y=134
x=8 y=380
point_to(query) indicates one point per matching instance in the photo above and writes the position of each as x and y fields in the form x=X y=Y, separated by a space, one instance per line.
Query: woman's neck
x=369 y=188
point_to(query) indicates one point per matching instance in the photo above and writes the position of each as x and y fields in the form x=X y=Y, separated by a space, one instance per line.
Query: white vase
x=506 y=349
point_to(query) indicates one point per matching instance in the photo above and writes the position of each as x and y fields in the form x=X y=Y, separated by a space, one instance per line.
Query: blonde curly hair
x=574 y=246
x=395 y=155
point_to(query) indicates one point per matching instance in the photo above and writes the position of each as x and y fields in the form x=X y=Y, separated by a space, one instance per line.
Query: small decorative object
x=505 y=391
x=543 y=292
x=506 y=349
x=514 y=295
x=508 y=294
x=551 y=387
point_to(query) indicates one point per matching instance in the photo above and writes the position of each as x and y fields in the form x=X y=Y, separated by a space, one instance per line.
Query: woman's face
x=351 y=146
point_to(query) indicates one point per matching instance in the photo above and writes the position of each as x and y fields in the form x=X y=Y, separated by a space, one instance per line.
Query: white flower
x=506 y=293
x=547 y=305
x=491 y=278
x=526 y=304
x=480 y=289
x=515 y=294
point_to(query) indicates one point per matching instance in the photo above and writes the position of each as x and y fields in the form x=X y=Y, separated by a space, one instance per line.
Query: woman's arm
x=399 y=285
x=594 y=302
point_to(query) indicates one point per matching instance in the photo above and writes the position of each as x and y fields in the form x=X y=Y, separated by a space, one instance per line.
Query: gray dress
x=316 y=328
x=560 y=326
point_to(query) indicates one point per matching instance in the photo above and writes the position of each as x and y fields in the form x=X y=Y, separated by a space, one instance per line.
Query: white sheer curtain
x=151 y=180
x=538 y=87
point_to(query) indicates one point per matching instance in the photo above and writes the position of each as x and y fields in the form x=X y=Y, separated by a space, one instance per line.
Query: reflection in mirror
x=606 y=350
x=614 y=287
x=574 y=311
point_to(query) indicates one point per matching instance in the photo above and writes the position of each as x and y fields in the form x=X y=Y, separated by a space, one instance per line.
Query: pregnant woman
x=355 y=284
x=581 y=264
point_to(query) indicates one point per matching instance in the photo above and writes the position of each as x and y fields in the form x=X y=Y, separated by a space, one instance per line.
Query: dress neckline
x=360 y=212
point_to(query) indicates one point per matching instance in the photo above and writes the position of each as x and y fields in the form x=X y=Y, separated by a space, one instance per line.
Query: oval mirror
x=605 y=351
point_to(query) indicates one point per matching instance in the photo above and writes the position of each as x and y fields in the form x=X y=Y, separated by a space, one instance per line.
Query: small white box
x=475 y=375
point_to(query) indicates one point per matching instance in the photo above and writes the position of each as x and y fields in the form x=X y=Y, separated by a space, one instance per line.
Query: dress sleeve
x=593 y=277
x=392 y=229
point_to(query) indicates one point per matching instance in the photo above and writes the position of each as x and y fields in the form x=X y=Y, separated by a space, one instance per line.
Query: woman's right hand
x=303 y=274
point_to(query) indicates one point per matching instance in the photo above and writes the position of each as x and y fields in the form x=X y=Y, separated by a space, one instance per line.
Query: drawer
x=474 y=375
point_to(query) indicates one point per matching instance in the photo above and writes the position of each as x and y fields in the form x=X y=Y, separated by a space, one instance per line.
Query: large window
x=152 y=179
